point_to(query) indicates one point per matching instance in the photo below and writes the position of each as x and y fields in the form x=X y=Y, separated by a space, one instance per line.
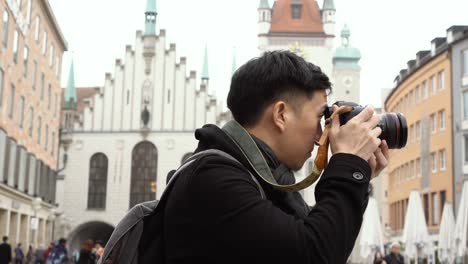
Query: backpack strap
x=221 y=153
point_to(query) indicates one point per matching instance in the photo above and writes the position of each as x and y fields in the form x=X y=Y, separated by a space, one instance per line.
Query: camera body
x=394 y=125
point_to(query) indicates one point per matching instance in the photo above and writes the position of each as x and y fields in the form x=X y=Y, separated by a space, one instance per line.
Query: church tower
x=346 y=70
x=264 y=23
x=328 y=17
x=69 y=106
x=298 y=26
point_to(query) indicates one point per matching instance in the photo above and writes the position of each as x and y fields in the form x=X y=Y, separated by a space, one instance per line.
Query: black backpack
x=138 y=238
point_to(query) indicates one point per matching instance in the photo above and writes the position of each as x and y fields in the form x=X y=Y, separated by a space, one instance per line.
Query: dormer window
x=296 y=10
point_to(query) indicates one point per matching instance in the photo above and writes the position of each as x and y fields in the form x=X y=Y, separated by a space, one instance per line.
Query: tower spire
x=205 y=74
x=264 y=4
x=150 y=17
x=328 y=5
x=234 y=63
x=70 y=100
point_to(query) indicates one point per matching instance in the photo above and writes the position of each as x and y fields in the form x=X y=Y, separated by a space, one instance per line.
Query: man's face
x=396 y=250
x=301 y=130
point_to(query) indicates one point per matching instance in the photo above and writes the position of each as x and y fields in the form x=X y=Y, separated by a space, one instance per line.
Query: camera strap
x=246 y=144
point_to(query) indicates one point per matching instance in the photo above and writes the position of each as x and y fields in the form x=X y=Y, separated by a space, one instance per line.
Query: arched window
x=97 y=188
x=144 y=173
x=186 y=156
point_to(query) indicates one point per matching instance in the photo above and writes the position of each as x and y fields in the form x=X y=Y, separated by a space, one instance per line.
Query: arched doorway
x=144 y=173
x=96 y=231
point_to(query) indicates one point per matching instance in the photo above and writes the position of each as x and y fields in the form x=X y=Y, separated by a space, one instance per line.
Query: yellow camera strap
x=245 y=143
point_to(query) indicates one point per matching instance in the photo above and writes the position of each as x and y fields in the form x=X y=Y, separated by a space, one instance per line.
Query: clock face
x=347 y=81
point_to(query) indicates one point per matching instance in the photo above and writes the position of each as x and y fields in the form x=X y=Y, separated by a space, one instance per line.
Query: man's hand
x=379 y=159
x=359 y=136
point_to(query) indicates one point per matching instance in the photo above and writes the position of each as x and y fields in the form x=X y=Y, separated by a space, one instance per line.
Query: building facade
x=459 y=79
x=424 y=93
x=31 y=50
x=122 y=139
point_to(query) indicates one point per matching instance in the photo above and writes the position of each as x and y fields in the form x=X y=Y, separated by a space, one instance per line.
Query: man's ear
x=279 y=115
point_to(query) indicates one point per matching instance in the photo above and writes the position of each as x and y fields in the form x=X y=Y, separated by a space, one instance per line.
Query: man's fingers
x=373 y=121
x=365 y=114
x=384 y=148
x=376 y=132
x=380 y=158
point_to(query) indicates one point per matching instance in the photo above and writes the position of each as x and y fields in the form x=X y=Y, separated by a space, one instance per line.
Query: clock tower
x=299 y=26
x=346 y=70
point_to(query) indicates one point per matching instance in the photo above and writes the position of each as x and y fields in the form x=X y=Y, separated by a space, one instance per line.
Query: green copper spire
x=205 y=75
x=328 y=5
x=70 y=100
x=346 y=56
x=234 y=64
x=264 y=4
x=150 y=17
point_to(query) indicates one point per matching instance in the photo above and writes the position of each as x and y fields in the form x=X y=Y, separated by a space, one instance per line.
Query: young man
x=215 y=213
x=5 y=251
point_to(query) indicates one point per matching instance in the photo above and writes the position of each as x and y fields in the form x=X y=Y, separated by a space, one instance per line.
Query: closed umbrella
x=371 y=239
x=446 y=235
x=415 y=234
x=461 y=226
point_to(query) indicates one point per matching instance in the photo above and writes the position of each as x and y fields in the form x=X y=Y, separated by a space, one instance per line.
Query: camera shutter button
x=358 y=176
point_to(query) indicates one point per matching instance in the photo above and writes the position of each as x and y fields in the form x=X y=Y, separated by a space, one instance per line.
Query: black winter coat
x=215 y=213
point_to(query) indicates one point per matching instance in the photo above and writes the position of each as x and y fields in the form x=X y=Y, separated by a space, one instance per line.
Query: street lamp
x=36 y=205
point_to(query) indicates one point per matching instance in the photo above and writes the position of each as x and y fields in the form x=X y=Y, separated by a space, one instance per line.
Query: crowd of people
x=55 y=253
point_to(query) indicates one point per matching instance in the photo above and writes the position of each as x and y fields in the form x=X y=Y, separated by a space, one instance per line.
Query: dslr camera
x=394 y=126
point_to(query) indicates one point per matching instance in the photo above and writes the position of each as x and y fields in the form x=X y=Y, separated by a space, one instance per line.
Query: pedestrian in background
x=86 y=253
x=395 y=257
x=19 y=255
x=30 y=255
x=5 y=251
x=39 y=255
x=378 y=258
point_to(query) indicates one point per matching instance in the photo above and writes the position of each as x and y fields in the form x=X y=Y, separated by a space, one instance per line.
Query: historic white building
x=302 y=27
x=120 y=140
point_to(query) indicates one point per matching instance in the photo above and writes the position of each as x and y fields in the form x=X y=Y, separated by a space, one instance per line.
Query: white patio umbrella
x=371 y=231
x=461 y=226
x=415 y=234
x=446 y=235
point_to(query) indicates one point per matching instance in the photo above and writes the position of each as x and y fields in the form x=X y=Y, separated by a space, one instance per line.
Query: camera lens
x=394 y=126
x=394 y=130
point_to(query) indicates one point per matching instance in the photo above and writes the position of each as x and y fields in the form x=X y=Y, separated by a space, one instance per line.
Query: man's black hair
x=62 y=241
x=5 y=239
x=275 y=75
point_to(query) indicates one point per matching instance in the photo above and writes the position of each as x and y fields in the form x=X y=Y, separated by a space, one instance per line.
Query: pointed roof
x=70 y=100
x=328 y=5
x=310 y=21
x=346 y=55
x=264 y=4
x=151 y=6
x=234 y=64
x=205 y=74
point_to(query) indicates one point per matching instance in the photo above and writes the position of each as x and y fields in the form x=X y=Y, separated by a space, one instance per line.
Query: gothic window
x=144 y=173
x=97 y=188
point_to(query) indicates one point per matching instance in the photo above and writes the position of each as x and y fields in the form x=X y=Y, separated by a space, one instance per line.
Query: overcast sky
x=388 y=33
